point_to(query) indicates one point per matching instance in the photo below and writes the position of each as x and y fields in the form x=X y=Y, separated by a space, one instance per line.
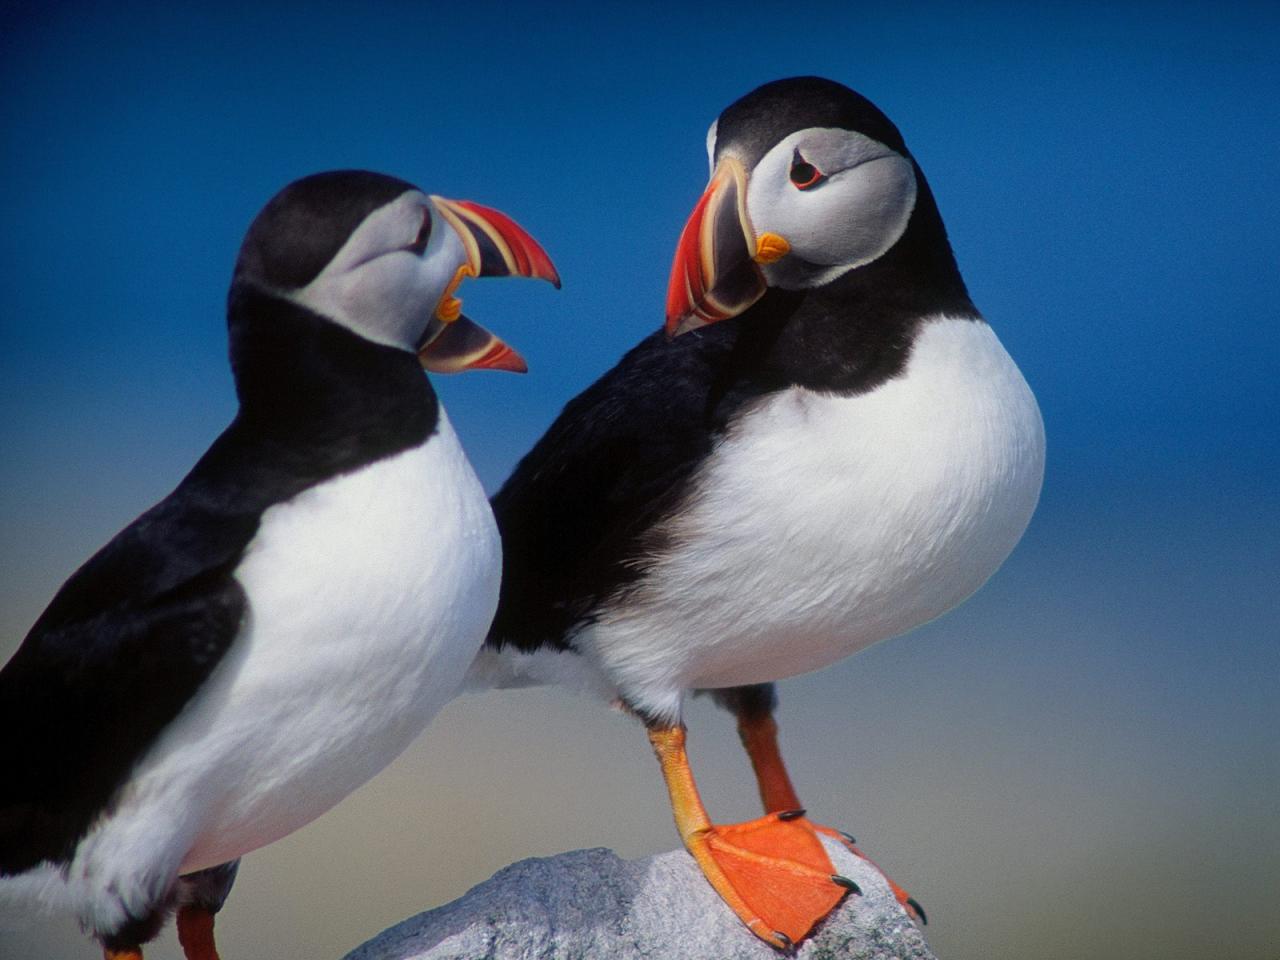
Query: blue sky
x=1107 y=178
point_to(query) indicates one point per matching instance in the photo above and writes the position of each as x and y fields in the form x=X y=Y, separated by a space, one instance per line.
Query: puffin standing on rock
x=281 y=626
x=736 y=502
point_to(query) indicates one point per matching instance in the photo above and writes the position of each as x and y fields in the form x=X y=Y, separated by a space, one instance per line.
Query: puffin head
x=809 y=183
x=378 y=256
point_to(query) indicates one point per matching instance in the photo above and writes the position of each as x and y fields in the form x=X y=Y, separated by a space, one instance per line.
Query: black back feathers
x=136 y=631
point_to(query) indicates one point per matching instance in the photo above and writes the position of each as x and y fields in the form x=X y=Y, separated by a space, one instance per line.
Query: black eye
x=419 y=245
x=804 y=174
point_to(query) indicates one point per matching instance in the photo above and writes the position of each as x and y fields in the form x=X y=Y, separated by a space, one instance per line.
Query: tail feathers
x=102 y=906
x=35 y=894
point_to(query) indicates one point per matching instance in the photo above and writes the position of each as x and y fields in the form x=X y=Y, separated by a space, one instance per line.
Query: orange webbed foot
x=908 y=902
x=774 y=873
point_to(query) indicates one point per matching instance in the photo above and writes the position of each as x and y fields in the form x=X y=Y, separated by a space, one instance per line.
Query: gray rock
x=593 y=904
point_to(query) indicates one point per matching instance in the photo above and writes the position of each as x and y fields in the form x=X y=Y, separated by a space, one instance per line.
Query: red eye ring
x=804 y=174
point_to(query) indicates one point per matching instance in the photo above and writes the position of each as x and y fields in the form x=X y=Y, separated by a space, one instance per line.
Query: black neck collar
x=321 y=396
x=854 y=333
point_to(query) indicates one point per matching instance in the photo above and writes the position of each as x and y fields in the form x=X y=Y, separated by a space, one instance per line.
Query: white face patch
x=711 y=143
x=852 y=215
x=379 y=288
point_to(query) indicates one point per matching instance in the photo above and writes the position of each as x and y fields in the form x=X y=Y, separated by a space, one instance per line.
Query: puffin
x=276 y=630
x=824 y=446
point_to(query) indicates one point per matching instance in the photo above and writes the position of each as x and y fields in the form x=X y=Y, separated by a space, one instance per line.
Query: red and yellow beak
x=496 y=246
x=463 y=344
x=716 y=273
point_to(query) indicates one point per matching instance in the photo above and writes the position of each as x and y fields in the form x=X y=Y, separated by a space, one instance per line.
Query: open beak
x=716 y=273
x=465 y=345
x=496 y=246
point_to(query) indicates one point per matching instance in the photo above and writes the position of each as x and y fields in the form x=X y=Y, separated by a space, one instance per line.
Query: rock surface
x=593 y=904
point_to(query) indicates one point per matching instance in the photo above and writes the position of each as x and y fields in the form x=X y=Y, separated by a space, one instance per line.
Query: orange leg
x=195 y=933
x=127 y=953
x=772 y=872
x=759 y=733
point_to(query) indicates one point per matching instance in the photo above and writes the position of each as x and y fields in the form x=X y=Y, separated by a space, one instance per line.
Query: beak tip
x=681 y=324
x=504 y=358
x=537 y=264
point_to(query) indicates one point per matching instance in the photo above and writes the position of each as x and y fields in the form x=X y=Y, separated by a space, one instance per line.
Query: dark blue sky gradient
x=1108 y=178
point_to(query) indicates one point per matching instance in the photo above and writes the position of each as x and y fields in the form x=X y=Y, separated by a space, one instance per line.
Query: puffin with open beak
x=275 y=631
x=825 y=447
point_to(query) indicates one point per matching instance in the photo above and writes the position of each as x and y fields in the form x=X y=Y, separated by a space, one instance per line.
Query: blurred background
x=1084 y=760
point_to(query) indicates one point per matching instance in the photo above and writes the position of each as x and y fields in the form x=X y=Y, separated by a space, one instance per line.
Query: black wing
x=133 y=634
x=126 y=642
x=577 y=514
x=123 y=646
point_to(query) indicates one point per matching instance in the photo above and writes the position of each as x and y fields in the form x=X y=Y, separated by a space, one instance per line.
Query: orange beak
x=496 y=246
x=715 y=274
x=465 y=345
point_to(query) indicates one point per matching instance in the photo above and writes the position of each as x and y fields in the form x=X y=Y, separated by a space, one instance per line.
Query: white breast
x=369 y=596
x=823 y=524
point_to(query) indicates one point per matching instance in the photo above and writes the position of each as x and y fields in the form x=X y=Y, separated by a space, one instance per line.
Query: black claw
x=788 y=945
x=791 y=814
x=845 y=882
x=847 y=838
x=914 y=904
